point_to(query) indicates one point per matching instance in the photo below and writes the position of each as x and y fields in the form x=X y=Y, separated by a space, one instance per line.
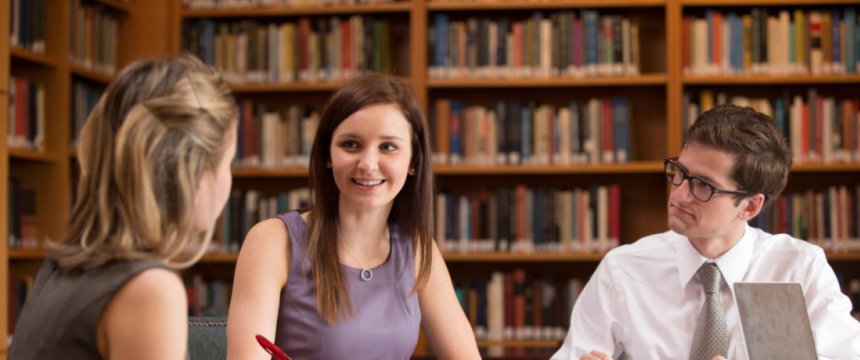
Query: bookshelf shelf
x=404 y=6
x=641 y=80
x=520 y=343
x=528 y=5
x=29 y=56
x=269 y=173
x=26 y=254
x=843 y=256
x=220 y=258
x=764 y=2
x=770 y=80
x=284 y=87
x=825 y=167
x=114 y=4
x=638 y=167
x=22 y=154
x=519 y=257
x=90 y=74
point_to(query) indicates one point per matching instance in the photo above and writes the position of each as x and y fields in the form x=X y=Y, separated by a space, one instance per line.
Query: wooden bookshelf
x=641 y=80
x=521 y=257
x=520 y=343
x=22 y=154
x=29 y=56
x=284 y=87
x=122 y=6
x=90 y=75
x=534 y=5
x=772 y=80
x=765 y=2
x=21 y=254
x=273 y=11
x=837 y=167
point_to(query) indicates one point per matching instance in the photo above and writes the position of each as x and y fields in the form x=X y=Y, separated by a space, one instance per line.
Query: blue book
x=850 y=40
x=779 y=115
x=481 y=292
x=526 y=137
x=282 y=203
x=456 y=126
x=837 y=33
x=441 y=46
x=504 y=26
x=621 y=128
x=589 y=19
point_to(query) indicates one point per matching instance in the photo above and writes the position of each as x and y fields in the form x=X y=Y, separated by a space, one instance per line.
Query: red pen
x=270 y=348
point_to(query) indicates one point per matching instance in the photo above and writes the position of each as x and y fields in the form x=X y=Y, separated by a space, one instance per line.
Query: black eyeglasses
x=701 y=189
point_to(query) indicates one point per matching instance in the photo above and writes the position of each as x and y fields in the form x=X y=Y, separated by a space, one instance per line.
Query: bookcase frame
x=152 y=29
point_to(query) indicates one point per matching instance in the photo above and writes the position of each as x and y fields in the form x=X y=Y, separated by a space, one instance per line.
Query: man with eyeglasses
x=669 y=296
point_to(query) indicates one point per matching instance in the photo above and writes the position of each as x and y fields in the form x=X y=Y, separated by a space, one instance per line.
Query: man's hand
x=597 y=355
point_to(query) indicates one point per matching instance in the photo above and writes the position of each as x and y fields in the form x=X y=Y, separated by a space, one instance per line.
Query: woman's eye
x=389 y=147
x=349 y=144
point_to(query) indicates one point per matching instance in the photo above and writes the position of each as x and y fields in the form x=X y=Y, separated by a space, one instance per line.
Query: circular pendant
x=368 y=276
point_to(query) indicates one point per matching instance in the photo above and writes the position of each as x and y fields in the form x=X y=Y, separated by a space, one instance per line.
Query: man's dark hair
x=762 y=156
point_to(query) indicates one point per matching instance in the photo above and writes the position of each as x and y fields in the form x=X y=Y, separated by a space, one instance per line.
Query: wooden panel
x=765 y=2
x=146 y=32
x=90 y=75
x=400 y=6
x=117 y=5
x=529 y=5
x=29 y=56
x=674 y=88
x=771 y=80
x=22 y=154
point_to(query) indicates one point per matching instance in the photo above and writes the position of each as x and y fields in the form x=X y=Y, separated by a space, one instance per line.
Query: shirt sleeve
x=594 y=322
x=836 y=333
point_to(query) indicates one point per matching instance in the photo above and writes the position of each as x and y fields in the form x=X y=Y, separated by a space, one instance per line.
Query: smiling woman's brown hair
x=412 y=210
x=143 y=151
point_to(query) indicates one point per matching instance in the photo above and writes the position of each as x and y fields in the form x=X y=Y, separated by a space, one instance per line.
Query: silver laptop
x=774 y=321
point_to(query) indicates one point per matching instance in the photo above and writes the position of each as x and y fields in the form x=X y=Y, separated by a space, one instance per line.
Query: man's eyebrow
x=703 y=177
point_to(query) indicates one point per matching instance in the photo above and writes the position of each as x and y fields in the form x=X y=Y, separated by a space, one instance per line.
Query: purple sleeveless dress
x=387 y=316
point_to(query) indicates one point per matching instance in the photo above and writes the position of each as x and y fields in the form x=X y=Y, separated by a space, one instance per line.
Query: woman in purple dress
x=355 y=275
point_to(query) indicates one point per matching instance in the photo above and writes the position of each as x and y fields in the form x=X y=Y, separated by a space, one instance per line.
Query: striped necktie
x=711 y=337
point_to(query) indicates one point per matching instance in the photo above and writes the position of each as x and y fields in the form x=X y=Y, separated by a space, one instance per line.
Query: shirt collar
x=733 y=264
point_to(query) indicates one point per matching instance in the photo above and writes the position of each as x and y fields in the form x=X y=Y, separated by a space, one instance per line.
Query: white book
x=701 y=47
x=564 y=131
x=545 y=48
x=493 y=33
x=784 y=24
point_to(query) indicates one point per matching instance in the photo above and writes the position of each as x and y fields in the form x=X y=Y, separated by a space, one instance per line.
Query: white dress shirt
x=644 y=299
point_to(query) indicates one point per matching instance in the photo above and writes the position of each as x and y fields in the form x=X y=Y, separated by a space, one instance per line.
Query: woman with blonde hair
x=356 y=275
x=155 y=173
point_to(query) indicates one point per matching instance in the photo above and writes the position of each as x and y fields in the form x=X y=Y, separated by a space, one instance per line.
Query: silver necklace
x=366 y=273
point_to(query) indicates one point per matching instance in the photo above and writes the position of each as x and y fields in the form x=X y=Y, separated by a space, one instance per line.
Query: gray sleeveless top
x=62 y=311
x=387 y=313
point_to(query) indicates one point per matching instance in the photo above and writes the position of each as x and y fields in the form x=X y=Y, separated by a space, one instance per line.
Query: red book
x=518 y=44
x=804 y=144
x=577 y=26
x=686 y=24
x=509 y=301
x=519 y=298
x=250 y=130
x=608 y=136
x=615 y=212
x=847 y=135
x=717 y=32
x=346 y=47
x=819 y=127
x=304 y=33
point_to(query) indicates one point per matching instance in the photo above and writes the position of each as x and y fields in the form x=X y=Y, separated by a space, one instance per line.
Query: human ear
x=751 y=207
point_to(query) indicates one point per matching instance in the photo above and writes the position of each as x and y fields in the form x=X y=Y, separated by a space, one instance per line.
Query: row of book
x=562 y=44
x=240 y=4
x=93 y=36
x=807 y=41
x=819 y=129
x=246 y=208
x=829 y=217
x=27 y=25
x=519 y=305
x=207 y=298
x=528 y=133
x=22 y=217
x=85 y=95
x=26 y=128
x=523 y=219
x=19 y=287
x=309 y=50
x=272 y=139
